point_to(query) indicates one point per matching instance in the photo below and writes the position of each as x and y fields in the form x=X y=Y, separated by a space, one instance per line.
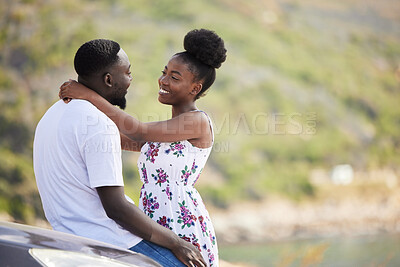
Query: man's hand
x=188 y=254
x=134 y=220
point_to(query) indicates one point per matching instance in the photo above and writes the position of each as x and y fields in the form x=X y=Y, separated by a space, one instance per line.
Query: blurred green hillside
x=306 y=85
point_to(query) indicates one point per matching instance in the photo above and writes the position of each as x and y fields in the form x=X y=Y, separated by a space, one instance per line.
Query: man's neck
x=91 y=84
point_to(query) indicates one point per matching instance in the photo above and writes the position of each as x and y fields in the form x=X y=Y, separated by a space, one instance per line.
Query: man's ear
x=196 y=89
x=107 y=79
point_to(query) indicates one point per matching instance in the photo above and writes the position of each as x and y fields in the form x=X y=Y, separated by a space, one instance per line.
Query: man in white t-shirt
x=78 y=168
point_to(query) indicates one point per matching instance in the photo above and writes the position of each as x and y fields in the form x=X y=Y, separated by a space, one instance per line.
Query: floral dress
x=169 y=172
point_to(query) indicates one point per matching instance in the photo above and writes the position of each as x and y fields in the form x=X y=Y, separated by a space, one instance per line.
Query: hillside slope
x=306 y=85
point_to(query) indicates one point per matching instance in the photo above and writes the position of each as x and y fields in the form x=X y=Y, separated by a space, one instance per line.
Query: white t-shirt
x=76 y=149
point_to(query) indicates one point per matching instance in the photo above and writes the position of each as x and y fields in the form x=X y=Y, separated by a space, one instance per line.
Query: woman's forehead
x=177 y=64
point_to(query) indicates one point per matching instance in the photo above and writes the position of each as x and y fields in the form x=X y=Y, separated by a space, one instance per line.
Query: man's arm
x=134 y=220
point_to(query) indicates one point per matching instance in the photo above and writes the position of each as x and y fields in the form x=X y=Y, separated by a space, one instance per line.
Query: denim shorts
x=160 y=254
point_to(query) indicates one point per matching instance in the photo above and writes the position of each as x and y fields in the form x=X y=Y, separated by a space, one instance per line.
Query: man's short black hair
x=96 y=56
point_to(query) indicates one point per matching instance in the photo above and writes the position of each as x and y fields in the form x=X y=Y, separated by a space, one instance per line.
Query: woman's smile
x=162 y=92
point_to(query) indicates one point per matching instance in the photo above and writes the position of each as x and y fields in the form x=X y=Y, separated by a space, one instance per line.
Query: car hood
x=35 y=237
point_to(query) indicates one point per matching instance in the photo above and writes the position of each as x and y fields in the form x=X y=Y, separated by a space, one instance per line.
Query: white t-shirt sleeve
x=102 y=154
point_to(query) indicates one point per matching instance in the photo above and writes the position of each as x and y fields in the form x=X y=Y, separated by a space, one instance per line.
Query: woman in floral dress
x=173 y=152
x=169 y=171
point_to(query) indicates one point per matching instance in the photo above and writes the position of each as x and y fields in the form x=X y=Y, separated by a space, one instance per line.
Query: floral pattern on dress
x=169 y=172
x=186 y=172
x=161 y=177
x=164 y=221
x=203 y=225
x=153 y=151
x=198 y=176
x=177 y=148
x=168 y=192
x=211 y=257
x=150 y=204
x=192 y=197
x=186 y=218
x=212 y=237
x=144 y=174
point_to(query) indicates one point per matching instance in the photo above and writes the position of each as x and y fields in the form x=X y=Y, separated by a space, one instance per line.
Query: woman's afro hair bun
x=206 y=46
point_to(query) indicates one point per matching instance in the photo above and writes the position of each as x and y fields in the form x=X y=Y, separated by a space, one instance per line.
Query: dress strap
x=209 y=121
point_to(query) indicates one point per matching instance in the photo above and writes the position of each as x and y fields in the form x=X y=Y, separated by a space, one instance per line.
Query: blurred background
x=305 y=167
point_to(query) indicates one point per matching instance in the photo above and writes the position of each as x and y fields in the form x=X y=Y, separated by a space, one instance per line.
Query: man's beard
x=120 y=102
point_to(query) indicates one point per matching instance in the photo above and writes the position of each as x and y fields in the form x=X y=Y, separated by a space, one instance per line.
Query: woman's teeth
x=163 y=91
